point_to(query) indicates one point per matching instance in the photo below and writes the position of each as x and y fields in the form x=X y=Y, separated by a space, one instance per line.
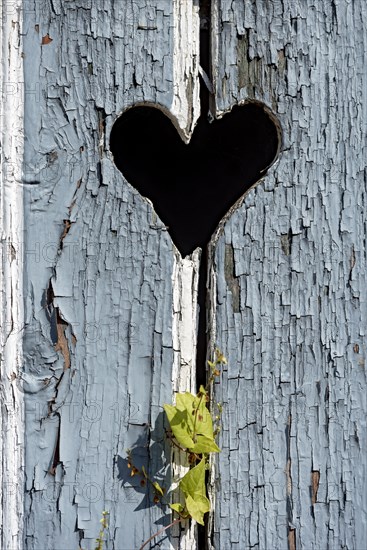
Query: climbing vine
x=192 y=430
x=104 y=526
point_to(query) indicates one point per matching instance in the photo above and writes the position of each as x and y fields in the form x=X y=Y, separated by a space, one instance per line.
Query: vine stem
x=196 y=416
x=181 y=448
x=160 y=531
x=176 y=444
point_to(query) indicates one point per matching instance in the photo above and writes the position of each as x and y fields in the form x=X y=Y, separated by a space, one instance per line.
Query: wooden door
x=99 y=312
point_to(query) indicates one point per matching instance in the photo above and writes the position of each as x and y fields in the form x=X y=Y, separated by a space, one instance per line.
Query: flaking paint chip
x=46 y=39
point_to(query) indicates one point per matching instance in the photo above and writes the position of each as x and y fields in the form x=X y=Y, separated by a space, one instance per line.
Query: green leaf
x=193 y=487
x=205 y=444
x=204 y=423
x=179 y=425
x=177 y=507
x=193 y=483
x=158 y=488
x=191 y=423
x=197 y=507
x=187 y=402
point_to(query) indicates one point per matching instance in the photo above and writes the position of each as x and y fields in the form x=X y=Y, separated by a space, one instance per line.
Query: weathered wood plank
x=101 y=268
x=292 y=470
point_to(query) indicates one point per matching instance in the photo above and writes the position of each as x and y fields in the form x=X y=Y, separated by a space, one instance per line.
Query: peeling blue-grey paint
x=102 y=277
x=294 y=392
x=99 y=266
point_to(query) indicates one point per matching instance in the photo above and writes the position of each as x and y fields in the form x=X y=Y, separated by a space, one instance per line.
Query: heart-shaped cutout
x=192 y=186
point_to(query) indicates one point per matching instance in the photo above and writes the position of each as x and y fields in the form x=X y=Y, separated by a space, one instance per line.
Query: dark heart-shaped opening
x=193 y=186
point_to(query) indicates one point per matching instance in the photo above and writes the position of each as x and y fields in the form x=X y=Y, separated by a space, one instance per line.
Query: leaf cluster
x=191 y=422
x=192 y=429
x=193 y=432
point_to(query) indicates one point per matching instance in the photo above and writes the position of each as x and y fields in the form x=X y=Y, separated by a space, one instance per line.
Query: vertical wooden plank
x=11 y=276
x=292 y=470
x=103 y=343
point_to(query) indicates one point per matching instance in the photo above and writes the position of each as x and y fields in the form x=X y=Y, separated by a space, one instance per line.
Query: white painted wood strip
x=11 y=277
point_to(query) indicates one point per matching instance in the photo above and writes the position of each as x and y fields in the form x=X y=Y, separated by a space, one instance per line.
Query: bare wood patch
x=46 y=40
x=62 y=343
x=292 y=539
x=315 y=480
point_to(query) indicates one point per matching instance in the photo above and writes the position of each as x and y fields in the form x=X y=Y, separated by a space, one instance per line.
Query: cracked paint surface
x=102 y=351
x=104 y=331
x=292 y=472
